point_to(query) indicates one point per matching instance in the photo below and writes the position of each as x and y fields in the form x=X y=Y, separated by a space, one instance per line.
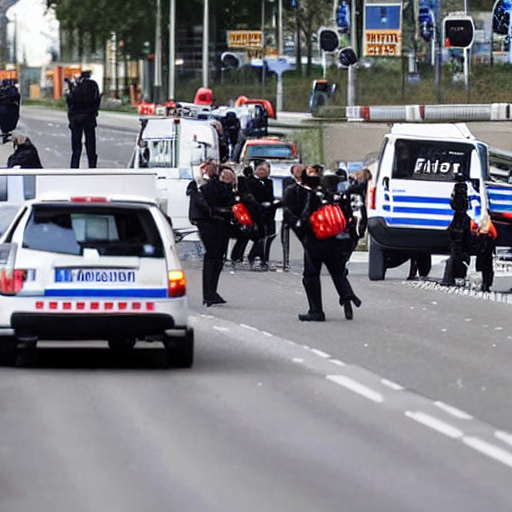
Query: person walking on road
x=301 y=203
x=83 y=103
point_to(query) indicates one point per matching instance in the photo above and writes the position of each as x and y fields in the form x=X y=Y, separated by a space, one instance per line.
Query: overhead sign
x=245 y=39
x=382 y=29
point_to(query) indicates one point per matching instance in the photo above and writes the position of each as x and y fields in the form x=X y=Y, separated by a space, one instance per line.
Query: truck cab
x=175 y=147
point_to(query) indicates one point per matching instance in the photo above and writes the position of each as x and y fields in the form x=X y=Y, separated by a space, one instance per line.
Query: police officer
x=300 y=203
x=83 y=103
x=292 y=181
x=10 y=99
x=210 y=211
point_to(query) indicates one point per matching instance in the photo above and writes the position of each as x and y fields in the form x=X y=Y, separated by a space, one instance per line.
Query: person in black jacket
x=261 y=187
x=10 y=100
x=292 y=181
x=301 y=201
x=210 y=211
x=83 y=103
x=25 y=154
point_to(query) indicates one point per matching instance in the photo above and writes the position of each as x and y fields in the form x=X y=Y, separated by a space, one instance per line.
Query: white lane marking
x=453 y=411
x=320 y=353
x=489 y=449
x=265 y=333
x=435 y=424
x=298 y=360
x=504 y=436
x=356 y=387
x=391 y=384
x=337 y=362
x=219 y=328
x=250 y=327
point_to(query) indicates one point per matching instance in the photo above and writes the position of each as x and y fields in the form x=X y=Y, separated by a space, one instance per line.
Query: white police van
x=174 y=147
x=409 y=196
x=93 y=257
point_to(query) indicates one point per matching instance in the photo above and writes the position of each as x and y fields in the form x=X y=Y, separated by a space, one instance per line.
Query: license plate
x=94 y=275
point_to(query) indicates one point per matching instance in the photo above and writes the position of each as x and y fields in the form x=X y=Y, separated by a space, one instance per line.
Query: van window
x=431 y=160
x=484 y=161
x=113 y=231
x=159 y=152
x=3 y=188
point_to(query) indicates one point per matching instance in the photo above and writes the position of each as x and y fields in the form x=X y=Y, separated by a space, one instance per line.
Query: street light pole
x=158 y=54
x=172 y=48
x=205 y=44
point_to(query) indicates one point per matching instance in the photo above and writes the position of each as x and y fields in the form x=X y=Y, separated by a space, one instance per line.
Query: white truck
x=175 y=147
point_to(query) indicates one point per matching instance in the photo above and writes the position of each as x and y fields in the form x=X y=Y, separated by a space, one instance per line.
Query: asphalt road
x=405 y=408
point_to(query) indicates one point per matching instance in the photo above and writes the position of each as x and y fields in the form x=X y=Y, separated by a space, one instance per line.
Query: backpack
x=84 y=93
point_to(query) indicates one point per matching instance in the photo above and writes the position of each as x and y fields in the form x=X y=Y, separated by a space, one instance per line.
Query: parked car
x=92 y=265
x=281 y=154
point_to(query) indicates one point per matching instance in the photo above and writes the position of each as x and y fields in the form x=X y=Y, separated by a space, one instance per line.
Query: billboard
x=245 y=39
x=382 y=34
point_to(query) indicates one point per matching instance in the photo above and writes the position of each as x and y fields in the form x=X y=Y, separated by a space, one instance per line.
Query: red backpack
x=242 y=215
x=328 y=221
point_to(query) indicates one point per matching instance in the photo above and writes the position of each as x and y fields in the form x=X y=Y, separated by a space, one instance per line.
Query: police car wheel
x=8 y=351
x=179 y=351
x=376 y=261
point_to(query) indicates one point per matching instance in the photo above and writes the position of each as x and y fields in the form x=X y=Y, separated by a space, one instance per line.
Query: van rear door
x=421 y=182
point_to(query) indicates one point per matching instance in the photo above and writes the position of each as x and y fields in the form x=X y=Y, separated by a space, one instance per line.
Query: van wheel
x=376 y=261
x=8 y=351
x=179 y=351
x=424 y=264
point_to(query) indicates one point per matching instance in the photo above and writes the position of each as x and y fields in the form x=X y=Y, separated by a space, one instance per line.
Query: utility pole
x=172 y=49
x=157 y=87
x=206 y=46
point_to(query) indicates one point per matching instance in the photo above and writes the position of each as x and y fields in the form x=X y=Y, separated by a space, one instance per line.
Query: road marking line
x=298 y=360
x=504 y=436
x=320 y=353
x=250 y=327
x=356 y=387
x=219 y=328
x=489 y=449
x=435 y=424
x=453 y=411
x=338 y=362
x=265 y=333
x=392 y=385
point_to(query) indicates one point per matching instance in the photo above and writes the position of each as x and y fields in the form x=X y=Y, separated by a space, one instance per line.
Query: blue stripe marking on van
x=155 y=293
x=500 y=199
x=421 y=199
x=411 y=221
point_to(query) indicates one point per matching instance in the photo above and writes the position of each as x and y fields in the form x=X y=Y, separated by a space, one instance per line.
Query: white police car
x=93 y=267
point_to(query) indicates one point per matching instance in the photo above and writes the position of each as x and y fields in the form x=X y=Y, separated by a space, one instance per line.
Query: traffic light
x=426 y=22
x=458 y=31
x=328 y=39
x=343 y=17
x=501 y=17
x=347 y=57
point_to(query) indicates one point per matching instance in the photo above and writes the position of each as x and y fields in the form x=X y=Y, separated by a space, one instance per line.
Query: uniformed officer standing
x=300 y=203
x=210 y=210
x=83 y=103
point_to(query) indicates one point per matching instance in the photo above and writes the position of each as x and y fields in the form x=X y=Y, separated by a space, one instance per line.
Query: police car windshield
x=431 y=160
x=270 y=151
x=112 y=231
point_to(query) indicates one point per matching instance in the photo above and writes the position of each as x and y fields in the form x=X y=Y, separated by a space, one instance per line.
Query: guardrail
x=430 y=113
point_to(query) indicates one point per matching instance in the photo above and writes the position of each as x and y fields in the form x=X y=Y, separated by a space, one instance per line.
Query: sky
x=37 y=32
